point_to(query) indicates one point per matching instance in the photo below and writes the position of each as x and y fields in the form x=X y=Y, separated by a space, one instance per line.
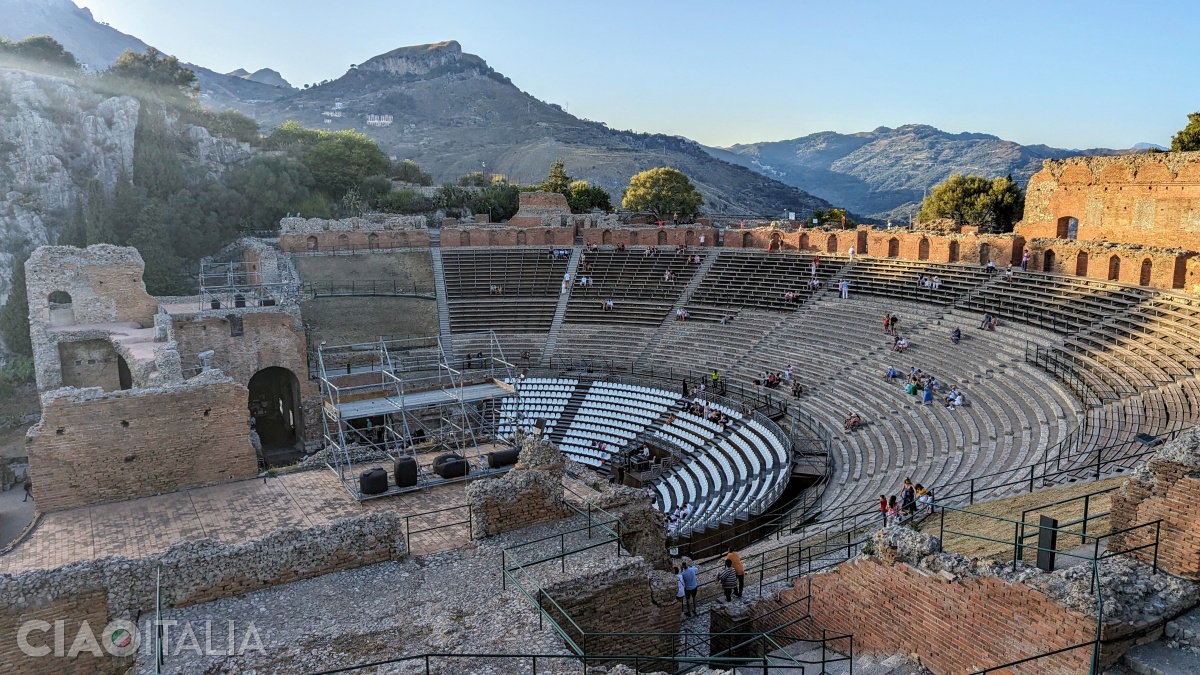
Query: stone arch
x=313 y=244
x=62 y=312
x=1081 y=264
x=747 y=240
x=1114 y=267
x=521 y=238
x=274 y=403
x=662 y=238
x=923 y=249
x=372 y=241
x=124 y=377
x=549 y=236
x=633 y=237
x=953 y=255
x=1067 y=228
x=344 y=242
x=893 y=248
x=606 y=237
x=464 y=238
x=1048 y=260
x=1147 y=269
x=985 y=253
x=803 y=241
x=776 y=242
x=689 y=238
x=831 y=244
x=493 y=238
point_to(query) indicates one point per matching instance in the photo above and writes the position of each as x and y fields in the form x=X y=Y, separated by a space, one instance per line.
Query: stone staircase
x=685 y=296
x=439 y=286
x=1176 y=653
x=569 y=411
x=561 y=310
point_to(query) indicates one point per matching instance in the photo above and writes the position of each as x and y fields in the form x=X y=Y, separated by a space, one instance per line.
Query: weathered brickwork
x=1126 y=263
x=297 y=235
x=534 y=207
x=651 y=236
x=93 y=446
x=501 y=235
x=193 y=572
x=1164 y=489
x=1150 y=199
x=530 y=493
x=267 y=339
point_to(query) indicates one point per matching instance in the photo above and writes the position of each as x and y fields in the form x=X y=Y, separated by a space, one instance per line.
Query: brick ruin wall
x=1166 y=488
x=267 y=339
x=193 y=572
x=626 y=599
x=93 y=446
x=529 y=494
x=1141 y=265
x=1150 y=199
x=376 y=231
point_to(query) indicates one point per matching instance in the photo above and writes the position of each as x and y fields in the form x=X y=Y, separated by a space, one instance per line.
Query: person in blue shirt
x=690 y=586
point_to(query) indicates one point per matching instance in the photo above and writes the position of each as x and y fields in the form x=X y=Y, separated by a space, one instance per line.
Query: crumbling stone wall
x=630 y=598
x=1143 y=265
x=501 y=235
x=958 y=614
x=105 y=287
x=633 y=235
x=1151 y=199
x=93 y=446
x=193 y=572
x=643 y=527
x=269 y=337
x=536 y=207
x=374 y=231
x=530 y=493
x=1166 y=487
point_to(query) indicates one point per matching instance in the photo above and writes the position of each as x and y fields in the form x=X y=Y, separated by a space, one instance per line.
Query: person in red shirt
x=883 y=507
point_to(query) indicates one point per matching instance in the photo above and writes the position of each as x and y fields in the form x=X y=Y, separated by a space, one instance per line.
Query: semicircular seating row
x=722 y=473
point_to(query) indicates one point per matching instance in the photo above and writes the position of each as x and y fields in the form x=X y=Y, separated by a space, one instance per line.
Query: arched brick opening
x=747 y=240
x=343 y=242
x=831 y=245
x=662 y=238
x=313 y=244
x=550 y=237
x=372 y=241
x=893 y=248
x=1067 y=227
x=923 y=249
x=1147 y=268
x=1114 y=268
x=1048 y=260
x=606 y=237
x=464 y=238
x=985 y=253
x=776 y=242
x=521 y=237
x=633 y=237
x=1081 y=264
x=953 y=257
x=274 y=403
x=62 y=312
x=689 y=238
x=804 y=241
x=493 y=238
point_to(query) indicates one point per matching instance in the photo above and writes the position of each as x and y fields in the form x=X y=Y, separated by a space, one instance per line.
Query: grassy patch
x=1010 y=509
x=341 y=321
x=406 y=269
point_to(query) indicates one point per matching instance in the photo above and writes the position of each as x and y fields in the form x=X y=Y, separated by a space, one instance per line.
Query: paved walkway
x=14 y=514
x=230 y=512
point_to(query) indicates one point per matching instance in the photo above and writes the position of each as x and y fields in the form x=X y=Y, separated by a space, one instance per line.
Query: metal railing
x=366 y=288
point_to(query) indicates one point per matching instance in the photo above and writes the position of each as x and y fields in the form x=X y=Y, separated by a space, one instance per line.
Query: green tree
x=269 y=187
x=557 y=180
x=40 y=48
x=1188 y=138
x=836 y=216
x=97 y=226
x=663 y=192
x=374 y=189
x=500 y=201
x=474 y=179
x=157 y=69
x=341 y=160
x=233 y=124
x=292 y=138
x=452 y=197
x=157 y=166
x=582 y=197
x=14 y=315
x=75 y=232
x=406 y=201
x=408 y=172
x=992 y=205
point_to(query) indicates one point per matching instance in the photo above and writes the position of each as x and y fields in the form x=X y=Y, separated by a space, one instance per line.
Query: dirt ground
x=341 y=321
x=1010 y=509
x=406 y=269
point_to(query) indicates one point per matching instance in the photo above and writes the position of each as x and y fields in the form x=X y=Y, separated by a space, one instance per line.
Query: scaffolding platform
x=374 y=407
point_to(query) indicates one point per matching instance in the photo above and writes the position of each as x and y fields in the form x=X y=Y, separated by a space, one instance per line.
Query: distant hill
x=263 y=76
x=453 y=114
x=98 y=45
x=883 y=173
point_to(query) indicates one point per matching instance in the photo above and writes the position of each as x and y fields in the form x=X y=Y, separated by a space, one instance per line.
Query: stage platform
x=384 y=405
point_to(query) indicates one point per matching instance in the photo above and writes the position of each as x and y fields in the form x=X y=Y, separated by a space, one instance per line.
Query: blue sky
x=1068 y=74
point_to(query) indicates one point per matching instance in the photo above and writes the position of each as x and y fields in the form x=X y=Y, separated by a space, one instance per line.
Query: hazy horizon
x=1074 y=75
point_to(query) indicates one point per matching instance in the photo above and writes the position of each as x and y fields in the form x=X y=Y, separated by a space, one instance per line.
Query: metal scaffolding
x=238 y=284
x=410 y=398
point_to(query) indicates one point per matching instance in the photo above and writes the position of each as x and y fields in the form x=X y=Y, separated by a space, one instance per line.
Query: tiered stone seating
x=635 y=284
x=757 y=279
x=900 y=279
x=613 y=414
x=1060 y=303
x=530 y=280
x=537 y=398
x=619 y=344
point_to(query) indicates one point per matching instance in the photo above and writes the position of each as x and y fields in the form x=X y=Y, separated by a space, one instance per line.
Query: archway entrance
x=747 y=240
x=1048 y=261
x=985 y=253
x=343 y=242
x=804 y=242
x=923 y=249
x=1114 y=268
x=831 y=245
x=1067 y=228
x=1144 y=277
x=312 y=243
x=776 y=242
x=520 y=237
x=606 y=237
x=662 y=238
x=275 y=406
x=953 y=252
x=1081 y=263
x=372 y=241
x=464 y=238
x=893 y=248
x=124 y=377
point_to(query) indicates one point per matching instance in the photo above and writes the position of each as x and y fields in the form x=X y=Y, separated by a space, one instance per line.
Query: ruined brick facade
x=1167 y=490
x=297 y=235
x=534 y=207
x=93 y=446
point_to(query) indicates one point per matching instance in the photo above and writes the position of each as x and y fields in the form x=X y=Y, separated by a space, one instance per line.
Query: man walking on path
x=728 y=580
x=690 y=585
x=28 y=490
x=732 y=557
x=844 y=289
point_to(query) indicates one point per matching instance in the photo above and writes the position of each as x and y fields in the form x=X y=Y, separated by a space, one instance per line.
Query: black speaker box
x=501 y=458
x=451 y=466
x=373 y=481
x=406 y=471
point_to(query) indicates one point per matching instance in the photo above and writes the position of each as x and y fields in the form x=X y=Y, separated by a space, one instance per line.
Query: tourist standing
x=679 y=590
x=738 y=568
x=927 y=396
x=690 y=585
x=883 y=511
x=728 y=580
x=1025 y=261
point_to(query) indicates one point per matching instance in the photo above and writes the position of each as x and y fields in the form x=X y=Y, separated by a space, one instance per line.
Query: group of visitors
x=891 y=323
x=677 y=516
x=922 y=384
x=731 y=576
x=989 y=322
x=653 y=252
x=844 y=289
x=934 y=282
x=682 y=314
x=953 y=398
x=669 y=276
x=560 y=253
x=495 y=289
x=608 y=305
x=914 y=499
